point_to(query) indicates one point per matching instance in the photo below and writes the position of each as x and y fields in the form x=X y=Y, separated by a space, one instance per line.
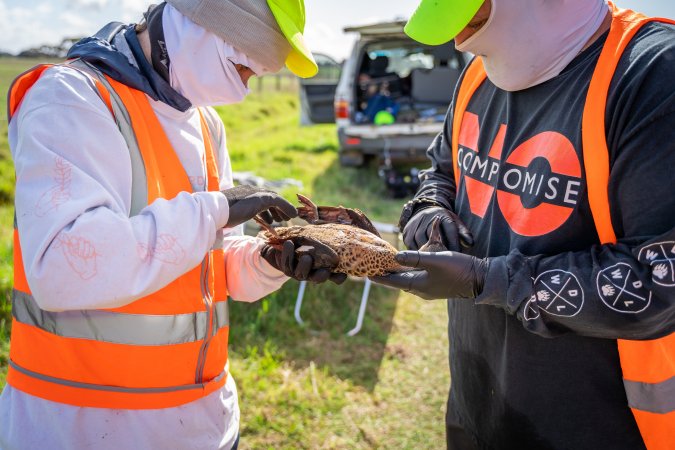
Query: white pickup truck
x=386 y=71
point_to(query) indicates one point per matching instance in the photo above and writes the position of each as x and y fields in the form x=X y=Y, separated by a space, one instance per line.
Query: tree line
x=46 y=50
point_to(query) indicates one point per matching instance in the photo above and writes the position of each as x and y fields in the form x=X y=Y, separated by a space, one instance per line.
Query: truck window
x=405 y=82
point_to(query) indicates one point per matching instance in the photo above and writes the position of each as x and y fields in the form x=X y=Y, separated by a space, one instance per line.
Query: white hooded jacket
x=80 y=252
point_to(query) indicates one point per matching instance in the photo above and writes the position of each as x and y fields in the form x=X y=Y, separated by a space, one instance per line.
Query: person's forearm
x=615 y=292
x=103 y=259
x=437 y=182
x=249 y=276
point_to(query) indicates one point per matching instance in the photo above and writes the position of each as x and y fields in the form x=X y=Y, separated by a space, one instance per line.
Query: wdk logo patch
x=537 y=186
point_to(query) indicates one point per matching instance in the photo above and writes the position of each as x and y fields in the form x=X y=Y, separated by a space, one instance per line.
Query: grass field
x=309 y=387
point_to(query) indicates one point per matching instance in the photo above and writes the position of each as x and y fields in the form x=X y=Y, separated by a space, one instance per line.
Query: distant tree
x=68 y=42
x=50 y=51
x=43 y=51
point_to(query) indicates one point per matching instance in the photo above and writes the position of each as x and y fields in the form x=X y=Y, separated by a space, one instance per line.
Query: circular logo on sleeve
x=559 y=293
x=621 y=289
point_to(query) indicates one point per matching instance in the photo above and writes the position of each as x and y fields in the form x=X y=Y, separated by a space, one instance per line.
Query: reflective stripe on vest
x=113 y=327
x=648 y=366
x=162 y=350
x=656 y=398
x=139 y=194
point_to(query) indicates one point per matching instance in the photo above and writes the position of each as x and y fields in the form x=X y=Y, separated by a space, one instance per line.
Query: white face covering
x=202 y=64
x=527 y=42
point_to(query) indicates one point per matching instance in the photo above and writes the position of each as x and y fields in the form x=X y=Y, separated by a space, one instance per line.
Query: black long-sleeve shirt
x=523 y=195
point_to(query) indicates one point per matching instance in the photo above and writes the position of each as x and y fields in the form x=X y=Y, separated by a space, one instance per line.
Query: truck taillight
x=341 y=109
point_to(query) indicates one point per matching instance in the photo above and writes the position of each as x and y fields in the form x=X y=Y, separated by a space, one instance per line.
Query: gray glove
x=297 y=266
x=453 y=231
x=443 y=275
x=247 y=202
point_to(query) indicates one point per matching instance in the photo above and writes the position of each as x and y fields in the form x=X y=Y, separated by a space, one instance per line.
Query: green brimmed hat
x=436 y=22
x=290 y=15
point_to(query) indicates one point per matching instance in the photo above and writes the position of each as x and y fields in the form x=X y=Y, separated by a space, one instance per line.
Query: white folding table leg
x=298 y=302
x=362 y=308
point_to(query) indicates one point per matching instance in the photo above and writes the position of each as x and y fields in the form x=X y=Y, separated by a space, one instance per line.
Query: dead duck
x=337 y=234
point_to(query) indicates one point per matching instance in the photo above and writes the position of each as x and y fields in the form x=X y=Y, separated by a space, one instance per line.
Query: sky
x=28 y=23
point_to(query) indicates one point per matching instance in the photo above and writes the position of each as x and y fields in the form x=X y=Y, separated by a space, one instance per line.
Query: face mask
x=202 y=65
x=527 y=42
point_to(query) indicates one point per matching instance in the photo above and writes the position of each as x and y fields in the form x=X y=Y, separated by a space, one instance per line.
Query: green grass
x=278 y=147
x=9 y=69
x=313 y=387
x=307 y=387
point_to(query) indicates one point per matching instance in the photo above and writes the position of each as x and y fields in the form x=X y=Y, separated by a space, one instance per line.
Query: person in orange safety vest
x=127 y=241
x=553 y=185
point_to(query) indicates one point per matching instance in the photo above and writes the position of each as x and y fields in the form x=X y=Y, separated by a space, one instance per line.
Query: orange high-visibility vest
x=162 y=350
x=648 y=366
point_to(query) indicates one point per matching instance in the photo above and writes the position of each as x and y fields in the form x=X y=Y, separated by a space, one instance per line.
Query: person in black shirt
x=520 y=230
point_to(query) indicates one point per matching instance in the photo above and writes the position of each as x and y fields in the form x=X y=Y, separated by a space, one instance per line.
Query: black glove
x=443 y=275
x=248 y=201
x=299 y=266
x=453 y=231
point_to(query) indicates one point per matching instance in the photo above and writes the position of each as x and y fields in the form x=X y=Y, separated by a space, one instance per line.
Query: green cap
x=384 y=118
x=436 y=22
x=290 y=15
